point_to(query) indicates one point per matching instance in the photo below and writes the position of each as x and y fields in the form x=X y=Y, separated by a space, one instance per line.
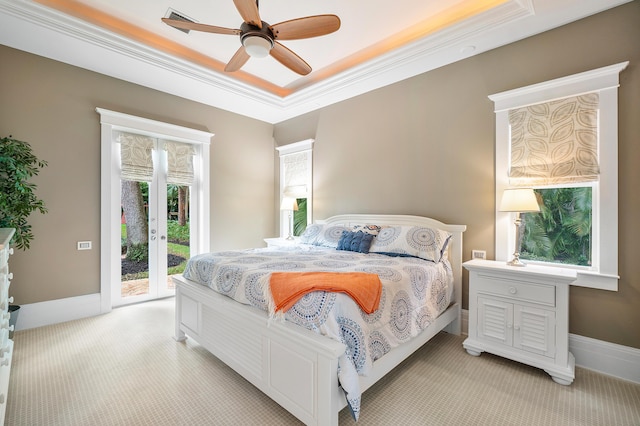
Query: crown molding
x=25 y=25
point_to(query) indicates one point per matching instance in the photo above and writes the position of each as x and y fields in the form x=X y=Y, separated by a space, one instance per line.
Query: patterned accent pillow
x=417 y=241
x=367 y=229
x=319 y=234
x=355 y=241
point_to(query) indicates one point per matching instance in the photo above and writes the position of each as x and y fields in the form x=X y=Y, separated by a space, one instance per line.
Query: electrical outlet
x=84 y=245
x=478 y=254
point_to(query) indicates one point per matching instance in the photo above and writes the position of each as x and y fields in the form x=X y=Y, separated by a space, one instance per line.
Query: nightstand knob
x=513 y=290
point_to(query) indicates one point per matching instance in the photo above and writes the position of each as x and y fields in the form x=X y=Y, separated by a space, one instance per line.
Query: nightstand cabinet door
x=523 y=327
x=534 y=330
x=495 y=321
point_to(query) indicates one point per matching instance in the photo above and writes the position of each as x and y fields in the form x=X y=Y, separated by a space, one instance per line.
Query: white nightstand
x=521 y=313
x=280 y=242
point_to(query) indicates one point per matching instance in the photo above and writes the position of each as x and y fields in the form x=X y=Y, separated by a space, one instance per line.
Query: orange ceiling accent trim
x=444 y=19
x=451 y=16
x=123 y=28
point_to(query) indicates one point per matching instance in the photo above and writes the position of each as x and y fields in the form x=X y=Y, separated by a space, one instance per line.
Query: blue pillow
x=355 y=241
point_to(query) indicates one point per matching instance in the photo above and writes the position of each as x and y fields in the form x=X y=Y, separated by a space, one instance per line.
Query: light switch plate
x=84 y=245
x=478 y=254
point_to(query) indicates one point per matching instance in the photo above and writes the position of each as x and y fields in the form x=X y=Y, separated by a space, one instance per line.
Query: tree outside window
x=562 y=231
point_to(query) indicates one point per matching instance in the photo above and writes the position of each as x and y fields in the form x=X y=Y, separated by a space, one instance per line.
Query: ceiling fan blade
x=238 y=60
x=248 y=9
x=289 y=59
x=311 y=26
x=186 y=25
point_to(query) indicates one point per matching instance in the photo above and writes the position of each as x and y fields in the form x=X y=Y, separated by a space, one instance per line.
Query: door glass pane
x=134 y=239
x=178 y=231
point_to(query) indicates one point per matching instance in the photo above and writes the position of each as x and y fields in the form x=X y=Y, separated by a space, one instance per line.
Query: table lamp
x=518 y=200
x=290 y=205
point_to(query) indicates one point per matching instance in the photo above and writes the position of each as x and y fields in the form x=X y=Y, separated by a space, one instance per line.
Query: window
x=561 y=138
x=563 y=231
x=296 y=182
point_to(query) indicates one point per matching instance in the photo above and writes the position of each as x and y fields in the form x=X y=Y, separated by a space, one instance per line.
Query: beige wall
x=425 y=146
x=52 y=106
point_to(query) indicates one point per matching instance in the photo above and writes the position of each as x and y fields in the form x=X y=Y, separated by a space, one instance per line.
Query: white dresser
x=521 y=313
x=6 y=344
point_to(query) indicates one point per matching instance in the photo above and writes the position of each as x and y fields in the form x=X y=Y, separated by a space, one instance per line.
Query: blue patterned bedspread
x=414 y=293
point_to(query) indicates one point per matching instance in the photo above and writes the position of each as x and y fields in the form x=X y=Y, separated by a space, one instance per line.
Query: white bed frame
x=296 y=367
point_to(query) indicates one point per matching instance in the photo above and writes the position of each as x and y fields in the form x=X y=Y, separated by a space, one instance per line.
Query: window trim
x=605 y=81
x=283 y=151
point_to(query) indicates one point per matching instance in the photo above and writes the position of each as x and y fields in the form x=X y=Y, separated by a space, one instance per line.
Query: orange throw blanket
x=289 y=287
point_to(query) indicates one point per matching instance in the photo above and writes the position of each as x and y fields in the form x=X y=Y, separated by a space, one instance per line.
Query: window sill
x=597 y=281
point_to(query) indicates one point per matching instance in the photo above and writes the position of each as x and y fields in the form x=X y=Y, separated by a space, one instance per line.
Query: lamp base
x=290 y=237
x=516 y=261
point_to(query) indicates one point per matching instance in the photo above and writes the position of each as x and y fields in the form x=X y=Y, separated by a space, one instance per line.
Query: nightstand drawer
x=517 y=290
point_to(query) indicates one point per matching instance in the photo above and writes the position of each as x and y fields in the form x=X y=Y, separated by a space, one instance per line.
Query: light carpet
x=124 y=368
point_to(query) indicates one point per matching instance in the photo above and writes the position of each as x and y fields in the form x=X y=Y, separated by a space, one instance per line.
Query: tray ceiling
x=378 y=43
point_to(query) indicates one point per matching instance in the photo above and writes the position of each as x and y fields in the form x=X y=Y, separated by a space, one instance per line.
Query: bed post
x=455 y=258
x=179 y=335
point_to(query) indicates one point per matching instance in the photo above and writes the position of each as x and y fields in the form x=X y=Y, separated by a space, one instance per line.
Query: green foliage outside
x=300 y=217
x=178 y=233
x=138 y=252
x=17 y=195
x=561 y=232
x=175 y=245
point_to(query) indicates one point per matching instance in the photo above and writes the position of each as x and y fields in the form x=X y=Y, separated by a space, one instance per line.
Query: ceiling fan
x=259 y=38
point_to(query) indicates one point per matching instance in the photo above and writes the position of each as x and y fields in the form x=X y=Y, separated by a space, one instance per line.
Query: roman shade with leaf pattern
x=180 y=163
x=555 y=142
x=136 y=157
x=296 y=175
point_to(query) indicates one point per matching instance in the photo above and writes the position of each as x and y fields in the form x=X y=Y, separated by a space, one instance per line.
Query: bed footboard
x=294 y=366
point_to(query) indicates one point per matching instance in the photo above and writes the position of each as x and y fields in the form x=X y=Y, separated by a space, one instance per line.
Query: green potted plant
x=17 y=194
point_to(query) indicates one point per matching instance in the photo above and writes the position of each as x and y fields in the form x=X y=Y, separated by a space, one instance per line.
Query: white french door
x=146 y=278
x=150 y=278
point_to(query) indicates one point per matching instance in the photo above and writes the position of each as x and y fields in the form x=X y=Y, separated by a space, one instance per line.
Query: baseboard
x=604 y=357
x=597 y=355
x=55 y=311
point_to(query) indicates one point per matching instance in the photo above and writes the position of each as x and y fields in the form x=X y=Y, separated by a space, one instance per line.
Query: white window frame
x=283 y=151
x=603 y=274
x=111 y=123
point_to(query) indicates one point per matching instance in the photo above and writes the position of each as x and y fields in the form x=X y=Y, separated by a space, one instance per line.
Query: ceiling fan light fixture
x=257 y=46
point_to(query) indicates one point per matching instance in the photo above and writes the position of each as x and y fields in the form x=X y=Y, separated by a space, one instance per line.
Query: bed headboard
x=454 y=247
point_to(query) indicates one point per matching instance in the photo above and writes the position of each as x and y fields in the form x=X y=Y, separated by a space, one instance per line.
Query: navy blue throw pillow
x=355 y=241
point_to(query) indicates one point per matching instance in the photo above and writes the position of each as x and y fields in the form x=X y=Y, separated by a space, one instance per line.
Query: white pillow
x=320 y=234
x=367 y=229
x=417 y=241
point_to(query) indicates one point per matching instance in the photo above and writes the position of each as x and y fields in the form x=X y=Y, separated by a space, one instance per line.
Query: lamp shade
x=257 y=46
x=289 y=204
x=519 y=200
